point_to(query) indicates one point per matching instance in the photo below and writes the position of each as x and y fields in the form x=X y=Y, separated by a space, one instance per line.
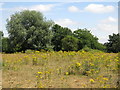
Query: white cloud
x=99 y=8
x=109 y=20
x=66 y=22
x=105 y=28
x=103 y=39
x=108 y=25
x=102 y=31
x=73 y=25
x=109 y=28
x=73 y=9
x=40 y=7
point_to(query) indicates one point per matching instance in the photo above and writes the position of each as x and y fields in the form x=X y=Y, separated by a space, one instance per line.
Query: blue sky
x=99 y=17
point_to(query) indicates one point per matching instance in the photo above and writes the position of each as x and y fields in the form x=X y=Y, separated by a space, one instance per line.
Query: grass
x=60 y=70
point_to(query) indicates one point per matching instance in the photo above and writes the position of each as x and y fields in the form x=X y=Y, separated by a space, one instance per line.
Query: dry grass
x=60 y=70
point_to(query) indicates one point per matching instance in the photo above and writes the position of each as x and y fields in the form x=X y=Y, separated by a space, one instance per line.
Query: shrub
x=29 y=51
x=87 y=49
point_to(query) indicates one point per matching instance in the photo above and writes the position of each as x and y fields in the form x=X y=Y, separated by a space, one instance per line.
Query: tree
x=70 y=43
x=87 y=39
x=58 y=34
x=113 y=44
x=29 y=30
x=6 y=45
x=1 y=36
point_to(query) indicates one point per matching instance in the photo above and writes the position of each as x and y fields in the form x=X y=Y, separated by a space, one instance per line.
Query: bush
x=42 y=50
x=69 y=43
x=87 y=49
x=29 y=51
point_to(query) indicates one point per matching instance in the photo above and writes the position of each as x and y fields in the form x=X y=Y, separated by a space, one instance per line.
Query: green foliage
x=29 y=30
x=69 y=43
x=6 y=45
x=87 y=39
x=113 y=44
x=28 y=51
x=58 y=34
x=100 y=46
x=96 y=51
x=1 y=35
x=87 y=49
x=84 y=37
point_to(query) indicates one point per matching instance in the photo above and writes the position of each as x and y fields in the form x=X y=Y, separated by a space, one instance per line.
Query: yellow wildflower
x=41 y=77
x=106 y=79
x=37 y=51
x=91 y=64
x=92 y=81
x=39 y=72
x=78 y=64
x=34 y=57
x=101 y=81
x=66 y=73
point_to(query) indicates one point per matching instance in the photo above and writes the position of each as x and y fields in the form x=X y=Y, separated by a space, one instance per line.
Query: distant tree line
x=113 y=44
x=31 y=30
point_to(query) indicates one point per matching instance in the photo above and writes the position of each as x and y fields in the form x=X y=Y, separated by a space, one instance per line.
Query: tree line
x=31 y=30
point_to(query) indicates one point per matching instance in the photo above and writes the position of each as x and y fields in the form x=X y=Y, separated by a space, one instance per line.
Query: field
x=60 y=70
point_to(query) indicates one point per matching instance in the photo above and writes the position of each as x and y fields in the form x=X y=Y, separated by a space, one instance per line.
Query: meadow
x=60 y=70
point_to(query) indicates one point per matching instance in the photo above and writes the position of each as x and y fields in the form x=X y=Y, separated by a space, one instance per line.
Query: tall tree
x=86 y=38
x=58 y=34
x=113 y=44
x=29 y=30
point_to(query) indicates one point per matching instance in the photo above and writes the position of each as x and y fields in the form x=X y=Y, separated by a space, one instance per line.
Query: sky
x=59 y=0
x=101 y=18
